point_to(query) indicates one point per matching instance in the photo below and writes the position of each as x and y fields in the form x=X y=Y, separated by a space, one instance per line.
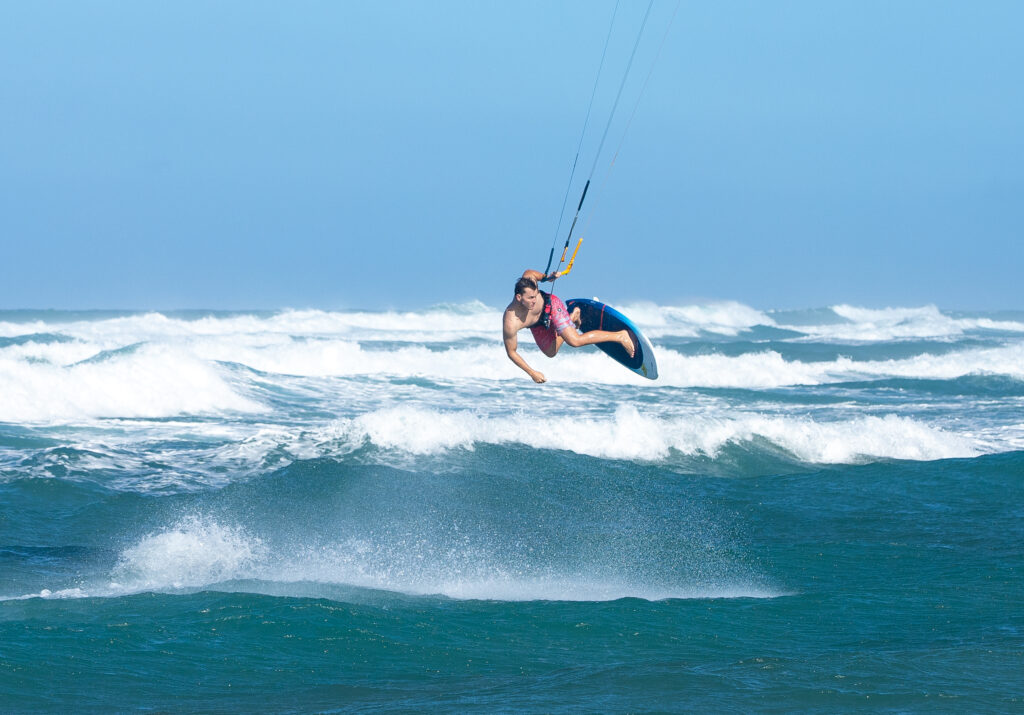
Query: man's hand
x=538 y=376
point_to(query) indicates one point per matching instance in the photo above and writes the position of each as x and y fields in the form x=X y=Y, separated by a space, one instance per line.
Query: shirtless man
x=550 y=327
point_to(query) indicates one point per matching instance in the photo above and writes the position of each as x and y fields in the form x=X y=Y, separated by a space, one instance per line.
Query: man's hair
x=524 y=283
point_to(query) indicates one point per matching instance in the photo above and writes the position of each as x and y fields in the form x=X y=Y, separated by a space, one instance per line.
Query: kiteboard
x=595 y=315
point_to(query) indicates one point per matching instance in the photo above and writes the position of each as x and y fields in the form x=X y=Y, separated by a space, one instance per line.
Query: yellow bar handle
x=571 y=260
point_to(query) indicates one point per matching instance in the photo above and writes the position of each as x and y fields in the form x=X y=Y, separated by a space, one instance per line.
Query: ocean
x=298 y=511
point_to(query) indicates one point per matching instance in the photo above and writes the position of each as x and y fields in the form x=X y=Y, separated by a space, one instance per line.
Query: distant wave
x=443 y=323
x=447 y=323
x=725 y=318
x=900 y=323
x=769 y=369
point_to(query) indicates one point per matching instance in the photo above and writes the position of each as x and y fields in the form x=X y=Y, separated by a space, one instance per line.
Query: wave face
x=394 y=476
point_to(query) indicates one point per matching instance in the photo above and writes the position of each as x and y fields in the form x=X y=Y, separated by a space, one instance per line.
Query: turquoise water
x=310 y=511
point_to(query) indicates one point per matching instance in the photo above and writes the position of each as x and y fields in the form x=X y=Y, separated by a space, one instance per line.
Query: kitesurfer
x=546 y=317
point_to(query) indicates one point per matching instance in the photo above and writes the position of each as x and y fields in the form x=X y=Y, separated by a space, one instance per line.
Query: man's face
x=529 y=298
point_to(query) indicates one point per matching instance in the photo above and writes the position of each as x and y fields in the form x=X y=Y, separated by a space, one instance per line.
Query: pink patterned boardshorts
x=560 y=320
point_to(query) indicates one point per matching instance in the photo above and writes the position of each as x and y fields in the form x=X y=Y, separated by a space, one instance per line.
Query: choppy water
x=303 y=510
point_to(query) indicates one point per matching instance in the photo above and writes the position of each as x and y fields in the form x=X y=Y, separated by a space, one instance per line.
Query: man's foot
x=626 y=343
x=575 y=317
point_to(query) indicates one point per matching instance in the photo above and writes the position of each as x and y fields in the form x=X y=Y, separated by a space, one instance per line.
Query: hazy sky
x=399 y=154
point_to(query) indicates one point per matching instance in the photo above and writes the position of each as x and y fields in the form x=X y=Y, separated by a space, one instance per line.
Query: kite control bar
x=571 y=260
x=550 y=277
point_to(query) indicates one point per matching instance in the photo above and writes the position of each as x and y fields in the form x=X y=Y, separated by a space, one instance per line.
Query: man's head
x=527 y=293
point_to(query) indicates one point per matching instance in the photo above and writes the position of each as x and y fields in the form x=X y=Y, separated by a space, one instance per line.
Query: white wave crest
x=160 y=380
x=874 y=325
x=153 y=381
x=631 y=435
x=443 y=323
x=477 y=320
x=722 y=318
x=766 y=369
x=769 y=369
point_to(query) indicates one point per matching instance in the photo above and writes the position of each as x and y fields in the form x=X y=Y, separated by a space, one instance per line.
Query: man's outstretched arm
x=511 y=349
x=535 y=275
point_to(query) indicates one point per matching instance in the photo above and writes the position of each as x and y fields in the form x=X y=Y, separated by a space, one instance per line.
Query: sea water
x=323 y=511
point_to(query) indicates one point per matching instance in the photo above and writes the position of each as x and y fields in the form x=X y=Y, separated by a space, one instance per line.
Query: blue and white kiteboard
x=595 y=315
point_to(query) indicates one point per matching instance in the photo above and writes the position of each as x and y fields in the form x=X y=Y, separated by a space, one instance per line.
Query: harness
x=545 y=316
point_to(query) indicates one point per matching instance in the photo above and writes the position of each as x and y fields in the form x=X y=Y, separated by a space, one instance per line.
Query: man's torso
x=523 y=318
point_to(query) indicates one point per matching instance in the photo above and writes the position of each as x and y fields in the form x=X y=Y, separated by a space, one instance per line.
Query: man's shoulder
x=511 y=319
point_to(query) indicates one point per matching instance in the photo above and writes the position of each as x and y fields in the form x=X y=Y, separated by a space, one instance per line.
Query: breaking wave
x=55 y=383
x=631 y=435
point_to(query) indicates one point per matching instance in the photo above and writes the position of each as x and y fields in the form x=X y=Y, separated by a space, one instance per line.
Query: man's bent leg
x=600 y=336
x=563 y=326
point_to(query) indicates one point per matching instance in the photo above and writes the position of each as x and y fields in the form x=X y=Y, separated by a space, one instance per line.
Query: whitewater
x=818 y=504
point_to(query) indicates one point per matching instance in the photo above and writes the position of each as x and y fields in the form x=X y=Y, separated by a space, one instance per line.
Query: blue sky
x=399 y=154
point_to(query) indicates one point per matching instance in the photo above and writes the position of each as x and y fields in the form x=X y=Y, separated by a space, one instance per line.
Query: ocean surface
x=284 y=511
